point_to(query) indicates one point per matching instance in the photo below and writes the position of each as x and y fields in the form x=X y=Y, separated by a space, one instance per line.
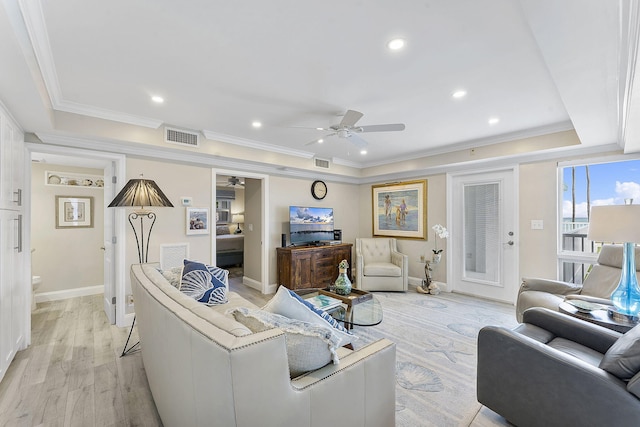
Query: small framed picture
x=74 y=212
x=197 y=220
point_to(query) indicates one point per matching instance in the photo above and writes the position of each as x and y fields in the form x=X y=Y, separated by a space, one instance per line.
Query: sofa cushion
x=204 y=283
x=574 y=349
x=633 y=386
x=623 y=357
x=287 y=303
x=385 y=269
x=309 y=346
x=173 y=276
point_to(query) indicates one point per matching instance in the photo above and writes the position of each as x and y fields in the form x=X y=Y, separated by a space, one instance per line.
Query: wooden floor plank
x=72 y=374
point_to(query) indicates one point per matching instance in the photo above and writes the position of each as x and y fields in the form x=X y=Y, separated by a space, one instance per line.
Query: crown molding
x=480 y=142
x=37 y=30
x=208 y=160
x=178 y=155
x=628 y=94
x=249 y=143
x=103 y=113
x=498 y=162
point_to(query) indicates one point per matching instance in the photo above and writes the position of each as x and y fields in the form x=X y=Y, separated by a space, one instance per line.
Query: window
x=581 y=187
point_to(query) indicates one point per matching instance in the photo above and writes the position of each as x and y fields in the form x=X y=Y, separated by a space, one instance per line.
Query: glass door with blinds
x=484 y=261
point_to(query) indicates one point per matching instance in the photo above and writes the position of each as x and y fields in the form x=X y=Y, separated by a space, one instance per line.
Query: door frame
x=514 y=169
x=119 y=161
x=261 y=285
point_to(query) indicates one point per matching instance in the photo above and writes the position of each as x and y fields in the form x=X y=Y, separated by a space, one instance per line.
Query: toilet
x=36 y=281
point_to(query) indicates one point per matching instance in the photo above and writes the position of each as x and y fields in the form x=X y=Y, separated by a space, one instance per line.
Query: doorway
x=110 y=227
x=255 y=228
x=483 y=214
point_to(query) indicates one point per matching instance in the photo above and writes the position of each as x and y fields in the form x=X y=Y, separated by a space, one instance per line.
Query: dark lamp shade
x=140 y=192
x=615 y=224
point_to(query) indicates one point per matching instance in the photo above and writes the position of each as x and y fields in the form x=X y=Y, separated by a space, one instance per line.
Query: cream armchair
x=597 y=287
x=379 y=265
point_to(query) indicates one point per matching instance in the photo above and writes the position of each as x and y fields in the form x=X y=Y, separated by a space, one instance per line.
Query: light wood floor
x=73 y=375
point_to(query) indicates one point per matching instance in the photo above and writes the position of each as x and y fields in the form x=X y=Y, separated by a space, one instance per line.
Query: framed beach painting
x=400 y=209
x=74 y=212
x=197 y=220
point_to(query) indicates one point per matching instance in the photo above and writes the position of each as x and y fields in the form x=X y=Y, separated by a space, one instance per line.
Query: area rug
x=436 y=338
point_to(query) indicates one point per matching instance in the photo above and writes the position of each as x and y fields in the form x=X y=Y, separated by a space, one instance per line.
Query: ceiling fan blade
x=357 y=141
x=381 y=128
x=315 y=141
x=350 y=118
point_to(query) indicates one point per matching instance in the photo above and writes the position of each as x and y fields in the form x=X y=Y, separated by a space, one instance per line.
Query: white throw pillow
x=309 y=346
x=287 y=303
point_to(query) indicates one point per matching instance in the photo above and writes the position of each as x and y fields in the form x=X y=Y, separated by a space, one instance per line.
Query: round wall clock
x=318 y=190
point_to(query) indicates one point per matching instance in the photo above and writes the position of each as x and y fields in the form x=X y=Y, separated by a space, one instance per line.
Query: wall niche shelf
x=68 y=179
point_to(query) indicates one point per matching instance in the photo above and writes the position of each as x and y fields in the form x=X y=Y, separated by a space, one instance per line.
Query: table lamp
x=140 y=192
x=239 y=218
x=620 y=224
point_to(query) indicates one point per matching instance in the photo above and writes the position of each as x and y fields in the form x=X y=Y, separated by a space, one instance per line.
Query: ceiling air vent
x=178 y=136
x=321 y=163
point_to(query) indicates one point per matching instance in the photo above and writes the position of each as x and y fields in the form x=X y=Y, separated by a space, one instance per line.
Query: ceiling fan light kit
x=347 y=129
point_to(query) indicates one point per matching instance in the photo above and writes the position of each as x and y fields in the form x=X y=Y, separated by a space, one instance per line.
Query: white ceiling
x=540 y=66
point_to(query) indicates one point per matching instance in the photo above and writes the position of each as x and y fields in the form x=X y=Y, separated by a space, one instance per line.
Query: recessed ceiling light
x=256 y=124
x=157 y=99
x=459 y=93
x=319 y=128
x=363 y=152
x=493 y=120
x=320 y=141
x=396 y=44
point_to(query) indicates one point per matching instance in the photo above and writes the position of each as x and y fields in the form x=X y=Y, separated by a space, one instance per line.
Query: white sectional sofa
x=205 y=369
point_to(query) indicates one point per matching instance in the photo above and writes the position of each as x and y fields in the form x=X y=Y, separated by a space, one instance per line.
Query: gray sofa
x=204 y=368
x=546 y=372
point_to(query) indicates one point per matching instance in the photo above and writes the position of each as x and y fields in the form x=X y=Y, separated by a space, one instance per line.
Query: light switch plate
x=537 y=224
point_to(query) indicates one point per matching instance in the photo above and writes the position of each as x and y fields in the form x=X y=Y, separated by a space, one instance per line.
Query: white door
x=484 y=259
x=108 y=246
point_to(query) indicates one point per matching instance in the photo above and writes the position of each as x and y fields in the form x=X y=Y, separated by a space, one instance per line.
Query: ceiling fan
x=232 y=181
x=347 y=129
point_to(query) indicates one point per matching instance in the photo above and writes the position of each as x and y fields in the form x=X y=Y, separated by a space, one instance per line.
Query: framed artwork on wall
x=74 y=212
x=197 y=220
x=400 y=209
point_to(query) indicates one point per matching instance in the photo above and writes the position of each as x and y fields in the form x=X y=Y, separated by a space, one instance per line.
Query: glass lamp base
x=618 y=316
x=626 y=297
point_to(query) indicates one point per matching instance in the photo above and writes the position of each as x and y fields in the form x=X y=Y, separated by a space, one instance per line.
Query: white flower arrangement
x=442 y=233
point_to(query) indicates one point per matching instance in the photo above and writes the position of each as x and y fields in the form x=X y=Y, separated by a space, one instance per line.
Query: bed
x=229 y=247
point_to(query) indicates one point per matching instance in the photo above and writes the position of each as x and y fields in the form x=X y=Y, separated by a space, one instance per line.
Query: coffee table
x=599 y=317
x=359 y=308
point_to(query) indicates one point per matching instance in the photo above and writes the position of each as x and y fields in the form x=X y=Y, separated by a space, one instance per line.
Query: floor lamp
x=619 y=223
x=140 y=193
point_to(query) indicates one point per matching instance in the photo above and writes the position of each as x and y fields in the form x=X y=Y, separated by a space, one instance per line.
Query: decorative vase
x=342 y=283
x=626 y=297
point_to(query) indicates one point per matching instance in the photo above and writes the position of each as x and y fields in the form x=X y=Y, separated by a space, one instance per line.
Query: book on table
x=324 y=302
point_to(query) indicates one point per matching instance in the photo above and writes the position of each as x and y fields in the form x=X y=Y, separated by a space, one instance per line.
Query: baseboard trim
x=69 y=293
x=254 y=284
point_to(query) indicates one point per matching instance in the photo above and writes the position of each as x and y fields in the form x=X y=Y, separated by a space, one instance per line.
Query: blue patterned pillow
x=204 y=283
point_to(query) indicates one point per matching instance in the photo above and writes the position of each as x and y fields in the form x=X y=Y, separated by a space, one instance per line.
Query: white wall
x=65 y=258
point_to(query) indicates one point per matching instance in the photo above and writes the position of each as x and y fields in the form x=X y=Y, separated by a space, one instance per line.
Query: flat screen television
x=309 y=225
